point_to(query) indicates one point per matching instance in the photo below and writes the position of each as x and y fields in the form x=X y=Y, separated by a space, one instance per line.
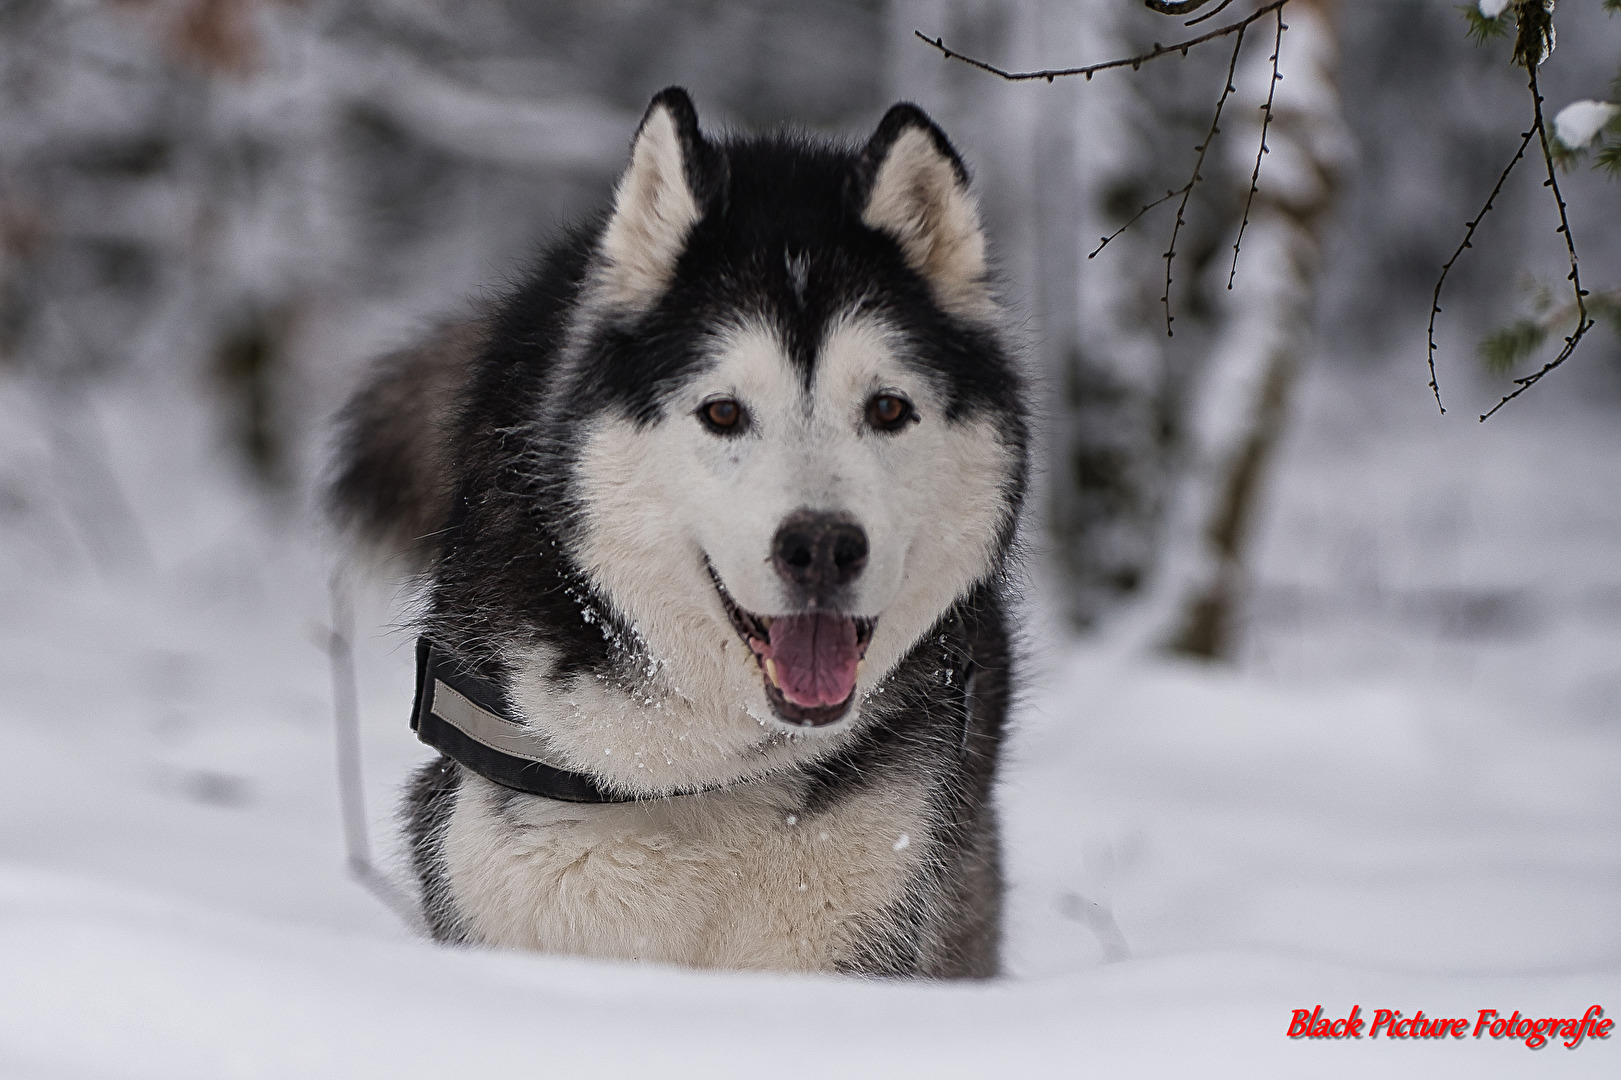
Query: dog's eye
x=723 y=416
x=889 y=412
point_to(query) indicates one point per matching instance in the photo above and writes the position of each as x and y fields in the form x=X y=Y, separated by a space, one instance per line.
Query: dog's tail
x=392 y=481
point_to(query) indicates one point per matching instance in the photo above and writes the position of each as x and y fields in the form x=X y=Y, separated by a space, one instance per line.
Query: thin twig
x=1176 y=7
x=1187 y=192
x=1583 y=323
x=1266 y=122
x=1133 y=62
x=1104 y=241
x=1221 y=7
x=351 y=797
x=1446 y=267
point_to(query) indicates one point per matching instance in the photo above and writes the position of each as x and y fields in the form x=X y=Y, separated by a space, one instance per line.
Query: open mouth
x=809 y=661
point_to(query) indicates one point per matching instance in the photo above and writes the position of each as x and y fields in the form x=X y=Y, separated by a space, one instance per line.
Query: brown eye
x=889 y=412
x=723 y=416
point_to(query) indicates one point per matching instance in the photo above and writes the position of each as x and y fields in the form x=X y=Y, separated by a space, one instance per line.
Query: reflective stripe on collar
x=463 y=716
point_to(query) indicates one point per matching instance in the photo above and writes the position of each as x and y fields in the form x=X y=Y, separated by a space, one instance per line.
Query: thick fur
x=581 y=534
x=398 y=476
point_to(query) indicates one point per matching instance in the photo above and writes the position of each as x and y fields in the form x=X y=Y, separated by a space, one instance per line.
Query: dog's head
x=792 y=434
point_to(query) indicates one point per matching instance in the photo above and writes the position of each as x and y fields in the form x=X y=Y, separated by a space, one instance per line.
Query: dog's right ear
x=911 y=185
x=674 y=176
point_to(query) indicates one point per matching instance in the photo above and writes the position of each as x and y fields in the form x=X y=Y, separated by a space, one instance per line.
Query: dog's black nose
x=819 y=553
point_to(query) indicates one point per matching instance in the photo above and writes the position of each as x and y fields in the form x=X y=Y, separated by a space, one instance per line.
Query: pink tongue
x=816 y=657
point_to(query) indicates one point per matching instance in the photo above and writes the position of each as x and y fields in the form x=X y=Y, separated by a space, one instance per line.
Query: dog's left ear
x=914 y=187
x=674 y=176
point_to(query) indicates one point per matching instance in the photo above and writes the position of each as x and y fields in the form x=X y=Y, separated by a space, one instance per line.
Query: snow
x=1579 y=122
x=1404 y=798
x=1493 y=8
x=210 y=995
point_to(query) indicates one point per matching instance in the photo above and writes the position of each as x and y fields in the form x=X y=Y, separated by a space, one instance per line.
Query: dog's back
x=396 y=475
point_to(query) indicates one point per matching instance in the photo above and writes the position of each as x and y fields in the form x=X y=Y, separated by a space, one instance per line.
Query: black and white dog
x=713 y=514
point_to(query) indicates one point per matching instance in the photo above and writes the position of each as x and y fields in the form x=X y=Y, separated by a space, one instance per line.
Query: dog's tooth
x=771 y=672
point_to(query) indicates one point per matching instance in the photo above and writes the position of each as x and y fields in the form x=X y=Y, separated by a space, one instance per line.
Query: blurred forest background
x=213 y=212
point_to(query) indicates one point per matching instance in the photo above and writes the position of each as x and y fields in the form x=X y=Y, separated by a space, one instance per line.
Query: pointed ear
x=914 y=187
x=674 y=175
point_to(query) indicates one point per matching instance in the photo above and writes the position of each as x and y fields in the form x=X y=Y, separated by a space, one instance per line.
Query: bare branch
x=1266 y=122
x=1583 y=323
x=1186 y=7
x=1187 y=192
x=1533 y=42
x=1219 y=8
x=1133 y=62
x=346 y=722
x=1446 y=267
x=1104 y=241
x=1176 y=7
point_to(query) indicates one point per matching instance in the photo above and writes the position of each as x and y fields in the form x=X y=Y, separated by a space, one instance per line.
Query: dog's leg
x=428 y=804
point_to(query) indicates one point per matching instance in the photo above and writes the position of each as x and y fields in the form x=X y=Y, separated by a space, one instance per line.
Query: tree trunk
x=1241 y=402
x=1106 y=348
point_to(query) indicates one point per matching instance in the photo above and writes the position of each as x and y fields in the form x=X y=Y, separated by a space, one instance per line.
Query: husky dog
x=713 y=513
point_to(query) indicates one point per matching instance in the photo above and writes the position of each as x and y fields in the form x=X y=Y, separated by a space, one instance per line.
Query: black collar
x=465 y=717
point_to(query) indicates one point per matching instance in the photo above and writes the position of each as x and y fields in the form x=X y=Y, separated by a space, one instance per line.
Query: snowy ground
x=1405 y=798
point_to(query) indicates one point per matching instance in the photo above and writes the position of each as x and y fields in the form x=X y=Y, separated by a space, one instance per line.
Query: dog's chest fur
x=736 y=878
